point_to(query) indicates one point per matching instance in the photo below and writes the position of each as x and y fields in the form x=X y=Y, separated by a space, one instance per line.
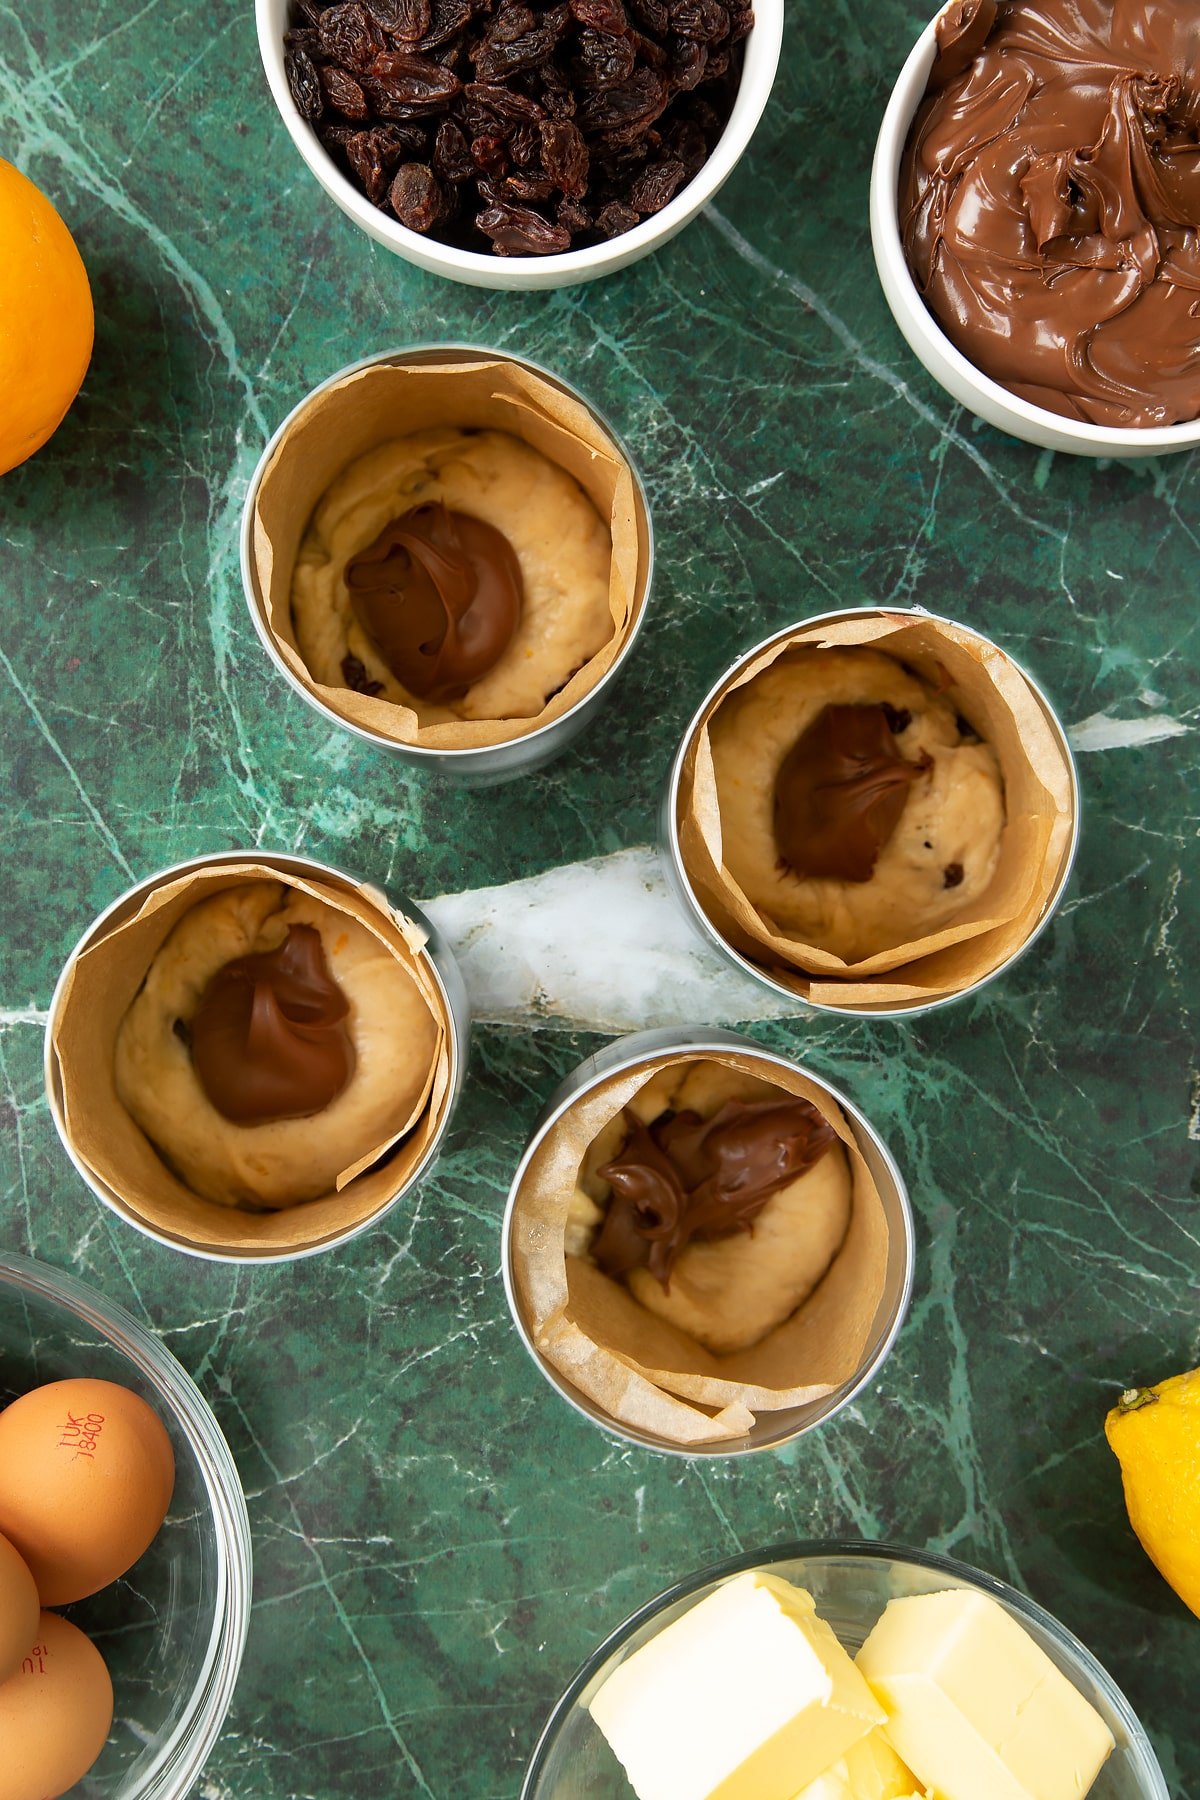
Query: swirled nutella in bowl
x=1050 y=202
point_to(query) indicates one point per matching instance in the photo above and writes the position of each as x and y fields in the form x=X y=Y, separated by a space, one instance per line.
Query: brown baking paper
x=100 y=986
x=645 y=1373
x=390 y=400
x=990 y=691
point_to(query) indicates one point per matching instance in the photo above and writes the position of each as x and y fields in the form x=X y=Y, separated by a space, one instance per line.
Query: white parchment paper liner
x=644 y=1373
x=390 y=400
x=992 y=693
x=99 y=988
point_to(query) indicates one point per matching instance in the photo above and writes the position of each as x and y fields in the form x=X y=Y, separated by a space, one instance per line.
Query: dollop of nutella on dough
x=269 y=1039
x=686 y=1177
x=840 y=792
x=1050 y=202
x=439 y=594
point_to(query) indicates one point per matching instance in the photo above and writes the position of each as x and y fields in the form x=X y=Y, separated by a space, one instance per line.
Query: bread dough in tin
x=393 y=1029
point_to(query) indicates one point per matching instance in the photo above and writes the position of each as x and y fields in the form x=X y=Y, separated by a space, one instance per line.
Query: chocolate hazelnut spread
x=269 y=1038
x=1050 y=201
x=840 y=792
x=686 y=1177
x=439 y=595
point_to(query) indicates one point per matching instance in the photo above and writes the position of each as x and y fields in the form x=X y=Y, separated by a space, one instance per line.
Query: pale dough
x=560 y=541
x=954 y=812
x=393 y=1029
x=726 y=1292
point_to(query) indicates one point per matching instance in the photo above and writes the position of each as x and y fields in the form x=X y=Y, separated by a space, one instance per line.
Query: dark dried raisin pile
x=515 y=126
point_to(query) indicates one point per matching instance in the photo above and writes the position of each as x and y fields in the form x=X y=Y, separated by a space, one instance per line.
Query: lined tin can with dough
x=941 y=841
x=706 y=1338
x=287 y=977
x=377 y=523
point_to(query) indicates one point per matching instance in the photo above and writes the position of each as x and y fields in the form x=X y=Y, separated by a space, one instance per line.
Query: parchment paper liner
x=993 y=694
x=644 y=1373
x=101 y=984
x=389 y=400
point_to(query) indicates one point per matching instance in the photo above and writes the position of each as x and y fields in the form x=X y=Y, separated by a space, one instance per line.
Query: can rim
x=425 y=753
x=701 y=1041
x=456 y=1039
x=802 y=1002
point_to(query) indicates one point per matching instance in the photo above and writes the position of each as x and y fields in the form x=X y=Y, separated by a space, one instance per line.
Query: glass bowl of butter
x=842 y=1671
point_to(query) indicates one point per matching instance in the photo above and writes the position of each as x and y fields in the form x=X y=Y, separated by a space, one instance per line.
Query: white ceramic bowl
x=480 y=269
x=947 y=364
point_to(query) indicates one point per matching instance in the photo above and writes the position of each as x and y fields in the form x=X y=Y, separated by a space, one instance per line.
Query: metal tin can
x=488 y=765
x=774 y=1428
x=678 y=881
x=440 y=965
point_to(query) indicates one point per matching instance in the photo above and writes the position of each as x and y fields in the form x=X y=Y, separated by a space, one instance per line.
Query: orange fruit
x=46 y=319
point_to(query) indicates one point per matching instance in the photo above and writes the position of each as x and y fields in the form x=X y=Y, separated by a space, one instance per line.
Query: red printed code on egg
x=81 y=1434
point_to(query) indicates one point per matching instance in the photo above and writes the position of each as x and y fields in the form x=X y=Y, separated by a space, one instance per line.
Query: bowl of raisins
x=515 y=144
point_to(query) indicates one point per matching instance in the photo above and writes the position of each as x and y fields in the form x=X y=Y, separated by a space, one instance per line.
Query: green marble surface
x=439 y=1541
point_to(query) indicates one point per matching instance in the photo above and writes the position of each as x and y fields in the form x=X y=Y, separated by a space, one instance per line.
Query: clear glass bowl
x=173 y=1630
x=851 y=1584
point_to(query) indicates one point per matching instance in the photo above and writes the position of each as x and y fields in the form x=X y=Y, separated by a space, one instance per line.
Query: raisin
x=302 y=37
x=303 y=84
x=451 y=153
x=403 y=86
x=407 y=20
x=350 y=36
x=519 y=231
x=565 y=157
x=705 y=20
x=689 y=65
x=622 y=113
x=601 y=15
x=415 y=196
x=488 y=106
x=685 y=142
x=354 y=675
x=602 y=61
x=499 y=57
x=529 y=186
x=616 y=218
x=656 y=185
x=899 y=718
x=524 y=145
x=343 y=93
x=573 y=216
x=651 y=15
x=741 y=24
x=490 y=153
x=952 y=875
x=448 y=18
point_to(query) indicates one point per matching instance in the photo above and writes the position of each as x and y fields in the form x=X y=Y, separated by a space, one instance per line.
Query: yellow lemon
x=1155 y=1435
x=45 y=318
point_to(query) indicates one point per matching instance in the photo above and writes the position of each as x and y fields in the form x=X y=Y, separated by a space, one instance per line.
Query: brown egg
x=86 y=1476
x=54 y=1713
x=19 y=1609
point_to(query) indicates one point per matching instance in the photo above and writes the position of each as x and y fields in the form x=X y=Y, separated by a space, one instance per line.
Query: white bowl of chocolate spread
x=1035 y=215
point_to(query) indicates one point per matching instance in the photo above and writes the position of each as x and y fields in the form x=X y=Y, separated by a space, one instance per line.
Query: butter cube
x=748 y=1696
x=975 y=1707
x=870 y=1770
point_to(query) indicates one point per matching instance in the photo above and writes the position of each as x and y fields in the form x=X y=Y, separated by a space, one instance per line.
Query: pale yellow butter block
x=975 y=1708
x=870 y=1770
x=748 y=1696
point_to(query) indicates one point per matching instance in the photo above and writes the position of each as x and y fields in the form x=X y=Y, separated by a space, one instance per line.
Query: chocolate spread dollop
x=439 y=594
x=269 y=1038
x=840 y=792
x=1050 y=201
x=686 y=1177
